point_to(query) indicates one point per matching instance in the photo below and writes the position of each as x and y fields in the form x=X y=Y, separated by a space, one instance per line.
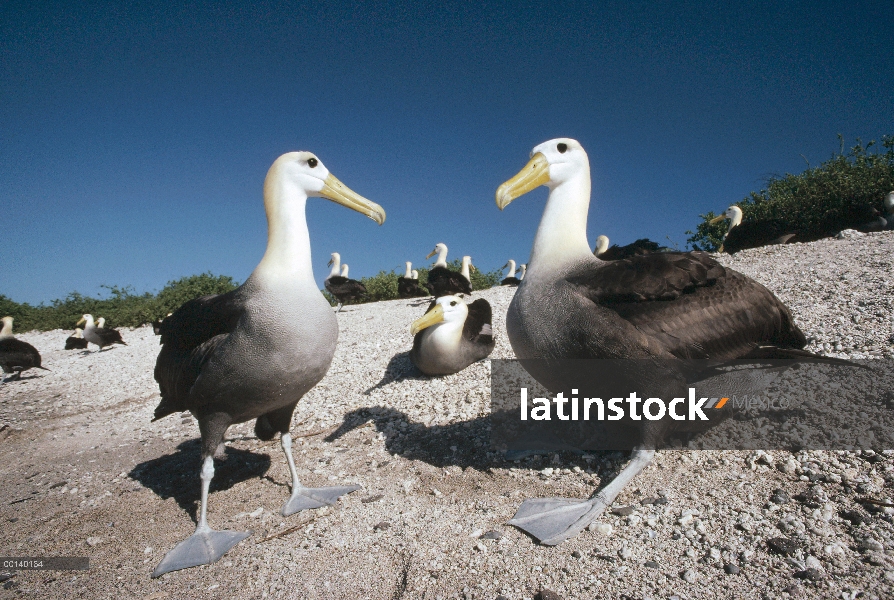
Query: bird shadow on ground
x=177 y=475
x=400 y=367
x=13 y=378
x=463 y=444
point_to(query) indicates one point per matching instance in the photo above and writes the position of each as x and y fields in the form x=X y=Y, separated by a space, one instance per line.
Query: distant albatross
x=510 y=278
x=408 y=285
x=616 y=252
x=100 y=336
x=340 y=285
x=751 y=234
x=76 y=340
x=15 y=355
x=254 y=352
x=442 y=281
x=661 y=307
x=451 y=335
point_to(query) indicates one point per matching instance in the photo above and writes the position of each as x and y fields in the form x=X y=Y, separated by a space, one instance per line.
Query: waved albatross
x=408 y=285
x=510 y=278
x=616 y=252
x=340 y=285
x=660 y=307
x=451 y=335
x=443 y=281
x=751 y=234
x=76 y=340
x=15 y=355
x=254 y=352
x=100 y=336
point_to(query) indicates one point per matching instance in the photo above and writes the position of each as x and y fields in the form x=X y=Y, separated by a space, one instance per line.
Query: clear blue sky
x=135 y=136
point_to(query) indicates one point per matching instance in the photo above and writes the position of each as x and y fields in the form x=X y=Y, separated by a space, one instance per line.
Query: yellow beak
x=335 y=190
x=83 y=320
x=432 y=253
x=432 y=317
x=717 y=219
x=533 y=175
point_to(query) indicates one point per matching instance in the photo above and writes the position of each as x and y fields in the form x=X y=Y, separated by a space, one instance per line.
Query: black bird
x=15 y=355
x=76 y=340
x=616 y=252
x=340 y=285
x=752 y=234
x=442 y=281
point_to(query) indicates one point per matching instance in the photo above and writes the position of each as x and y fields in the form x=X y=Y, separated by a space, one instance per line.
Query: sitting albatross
x=254 y=352
x=510 y=278
x=451 y=335
x=339 y=285
x=523 y=268
x=15 y=355
x=663 y=306
x=751 y=234
x=442 y=281
x=100 y=336
x=408 y=285
x=76 y=340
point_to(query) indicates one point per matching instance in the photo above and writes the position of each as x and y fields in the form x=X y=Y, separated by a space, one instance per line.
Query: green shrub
x=821 y=201
x=123 y=308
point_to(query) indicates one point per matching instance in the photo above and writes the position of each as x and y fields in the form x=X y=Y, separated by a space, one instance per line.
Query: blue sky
x=134 y=137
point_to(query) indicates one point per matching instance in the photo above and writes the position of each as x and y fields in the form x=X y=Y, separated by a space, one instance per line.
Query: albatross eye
x=453 y=303
x=562 y=147
x=311 y=162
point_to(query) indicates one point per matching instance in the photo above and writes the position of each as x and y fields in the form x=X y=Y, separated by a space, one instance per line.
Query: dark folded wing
x=189 y=337
x=477 y=328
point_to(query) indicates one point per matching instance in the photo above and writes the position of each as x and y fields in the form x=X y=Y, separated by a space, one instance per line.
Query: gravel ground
x=86 y=473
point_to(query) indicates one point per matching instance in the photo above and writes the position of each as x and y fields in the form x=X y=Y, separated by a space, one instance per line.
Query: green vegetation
x=122 y=309
x=383 y=285
x=819 y=202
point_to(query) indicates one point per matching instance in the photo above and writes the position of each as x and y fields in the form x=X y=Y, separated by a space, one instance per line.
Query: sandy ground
x=85 y=473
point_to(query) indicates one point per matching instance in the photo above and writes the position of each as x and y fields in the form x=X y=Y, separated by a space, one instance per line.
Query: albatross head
x=552 y=163
x=305 y=171
x=601 y=244
x=6 y=330
x=733 y=213
x=447 y=309
x=334 y=259
x=88 y=319
x=441 y=251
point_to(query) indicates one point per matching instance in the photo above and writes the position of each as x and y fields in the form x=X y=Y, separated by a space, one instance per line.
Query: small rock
x=480 y=547
x=381 y=526
x=795 y=590
x=625 y=552
x=689 y=576
x=93 y=541
x=780 y=496
x=810 y=574
x=6 y=576
x=477 y=533
x=436 y=493
x=651 y=564
x=731 y=569
x=577 y=554
x=256 y=513
x=491 y=535
x=603 y=528
x=870 y=544
x=623 y=511
x=854 y=516
x=789 y=467
x=784 y=546
x=546 y=594
x=369 y=499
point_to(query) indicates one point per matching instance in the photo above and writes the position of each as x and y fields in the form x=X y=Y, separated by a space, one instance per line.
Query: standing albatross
x=99 y=335
x=659 y=307
x=751 y=234
x=76 y=340
x=15 y=355
x=254 y=352
x=442 y=281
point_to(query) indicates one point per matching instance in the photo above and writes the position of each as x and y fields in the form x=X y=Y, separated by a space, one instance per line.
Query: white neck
x=442 y=258
x=344 y=270
x=409 y=273
x=336 y=267
x=464 y=271
x=288 y=243
x=6 y=331
x=737 y=218
x=561 y=238
x=522 y=276
x=511 y=269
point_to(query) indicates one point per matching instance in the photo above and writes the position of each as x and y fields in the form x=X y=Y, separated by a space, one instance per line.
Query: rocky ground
x=85 y=473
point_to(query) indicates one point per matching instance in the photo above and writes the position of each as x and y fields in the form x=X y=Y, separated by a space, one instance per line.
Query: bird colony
x=383 y=483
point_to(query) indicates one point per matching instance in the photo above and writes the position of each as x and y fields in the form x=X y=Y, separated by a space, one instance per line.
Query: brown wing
x=189 y=337
x=477 y=328
x=692 y=305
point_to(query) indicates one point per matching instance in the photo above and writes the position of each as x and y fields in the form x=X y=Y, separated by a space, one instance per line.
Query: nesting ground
x=85 y=473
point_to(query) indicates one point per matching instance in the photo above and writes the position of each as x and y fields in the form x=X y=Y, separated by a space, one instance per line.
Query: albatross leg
x=303 y=497
x=205 y=545
x=554 y=520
